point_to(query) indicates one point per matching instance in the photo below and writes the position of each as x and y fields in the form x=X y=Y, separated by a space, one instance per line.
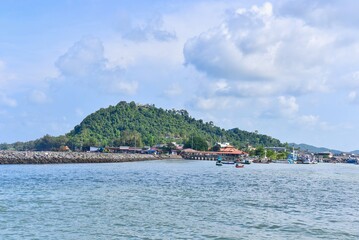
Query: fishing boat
x=292 y=157
x=239 y=165
x=218 y=163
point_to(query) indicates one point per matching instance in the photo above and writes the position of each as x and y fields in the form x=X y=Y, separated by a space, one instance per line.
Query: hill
x=314 y=149
x=138 y=125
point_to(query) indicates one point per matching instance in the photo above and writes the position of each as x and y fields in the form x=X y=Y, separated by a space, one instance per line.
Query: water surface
x=179 y=199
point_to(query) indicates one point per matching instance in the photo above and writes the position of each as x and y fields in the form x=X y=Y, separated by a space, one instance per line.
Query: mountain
x=314 y=149
x=355 y=152
x=145 y=125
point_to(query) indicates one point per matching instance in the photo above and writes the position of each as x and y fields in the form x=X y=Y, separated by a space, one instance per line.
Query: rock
x=30 y=157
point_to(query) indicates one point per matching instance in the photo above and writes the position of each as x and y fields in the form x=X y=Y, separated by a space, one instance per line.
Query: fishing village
x=224 y=154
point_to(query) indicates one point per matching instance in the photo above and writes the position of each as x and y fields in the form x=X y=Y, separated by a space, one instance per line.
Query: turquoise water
x=179 y=199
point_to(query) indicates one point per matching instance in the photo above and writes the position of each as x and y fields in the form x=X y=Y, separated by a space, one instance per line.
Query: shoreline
x=31 y=157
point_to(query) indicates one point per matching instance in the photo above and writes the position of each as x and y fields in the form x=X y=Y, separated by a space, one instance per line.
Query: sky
x=285 y=68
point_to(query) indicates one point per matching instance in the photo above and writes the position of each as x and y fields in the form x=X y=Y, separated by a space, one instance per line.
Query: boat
x=280 y=161
x=239 y=165
x=292 y=157
x=218 y=163
x=306 y=159
x=246 y=161
x=352 y=160
x=228 y=162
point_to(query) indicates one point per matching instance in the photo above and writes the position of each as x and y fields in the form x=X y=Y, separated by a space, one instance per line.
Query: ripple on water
x=178 y=199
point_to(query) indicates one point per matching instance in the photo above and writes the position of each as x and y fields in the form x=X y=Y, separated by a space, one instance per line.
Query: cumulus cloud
x=85 y=62
x=263 y=54
x=82 y=58
x=288 y=105
x=143 y=31
x=325 y=13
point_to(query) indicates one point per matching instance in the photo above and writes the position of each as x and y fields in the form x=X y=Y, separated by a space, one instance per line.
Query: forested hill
x=145 y=125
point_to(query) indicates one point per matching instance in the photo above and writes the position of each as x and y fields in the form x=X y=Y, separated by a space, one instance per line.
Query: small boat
x=239 y=165
x=228 y=162
x=246 y=161
x=218 y=163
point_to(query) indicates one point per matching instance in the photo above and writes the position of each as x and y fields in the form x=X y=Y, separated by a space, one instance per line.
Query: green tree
x=271 y=154
x=168 y=147
x=260 y=151
x=196 y=143
x=146 y=125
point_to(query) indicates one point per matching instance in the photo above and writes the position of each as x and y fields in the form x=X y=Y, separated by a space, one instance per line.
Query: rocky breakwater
x=29 y=157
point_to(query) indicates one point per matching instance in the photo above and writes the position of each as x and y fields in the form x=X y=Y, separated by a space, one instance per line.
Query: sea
x=179 y=199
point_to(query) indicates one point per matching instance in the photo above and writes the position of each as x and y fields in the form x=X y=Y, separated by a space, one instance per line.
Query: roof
x=188 y=150
x=230 y=150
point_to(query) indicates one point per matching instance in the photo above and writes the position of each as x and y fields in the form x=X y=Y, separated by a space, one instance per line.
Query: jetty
x=228 y=153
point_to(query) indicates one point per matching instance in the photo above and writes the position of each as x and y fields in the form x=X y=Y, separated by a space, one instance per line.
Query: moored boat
x=228 y=162
x=219 y=161
x=246 y=161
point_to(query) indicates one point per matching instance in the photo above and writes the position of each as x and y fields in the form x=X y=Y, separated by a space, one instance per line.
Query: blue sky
x=289 y=69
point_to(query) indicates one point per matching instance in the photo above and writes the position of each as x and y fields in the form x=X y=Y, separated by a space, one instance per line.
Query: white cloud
x=85 y=62
x=150 y=29
x=221 y=86
x=325 y=13
x=261 y=53
x=83 y=58
x=288 y=106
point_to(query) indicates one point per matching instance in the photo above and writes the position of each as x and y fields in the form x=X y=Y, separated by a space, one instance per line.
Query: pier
x=229 y=154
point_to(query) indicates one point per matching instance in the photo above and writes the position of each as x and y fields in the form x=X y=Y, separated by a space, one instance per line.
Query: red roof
x=230 y=150
x=226 y=150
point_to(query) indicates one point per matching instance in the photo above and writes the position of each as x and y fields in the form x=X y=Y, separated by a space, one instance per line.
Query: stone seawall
x=29 y=157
